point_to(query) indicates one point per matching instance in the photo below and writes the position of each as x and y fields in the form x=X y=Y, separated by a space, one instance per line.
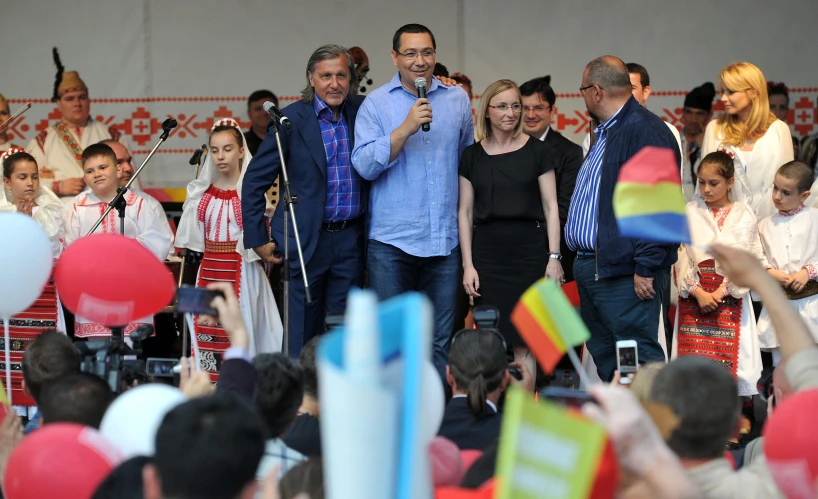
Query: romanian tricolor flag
x=548 y=323
x=648 y=200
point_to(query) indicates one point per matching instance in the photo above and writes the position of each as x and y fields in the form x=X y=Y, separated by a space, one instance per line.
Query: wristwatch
x=555 y=256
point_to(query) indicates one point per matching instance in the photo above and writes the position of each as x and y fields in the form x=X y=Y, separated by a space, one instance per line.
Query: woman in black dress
x=508 y=216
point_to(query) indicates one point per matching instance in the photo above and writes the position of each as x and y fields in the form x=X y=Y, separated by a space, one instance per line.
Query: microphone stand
x=119 y=201
x=196 y=162
x=289 y=211
x=118 y=333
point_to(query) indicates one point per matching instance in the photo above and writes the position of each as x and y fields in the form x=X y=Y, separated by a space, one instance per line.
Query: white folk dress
x=729 y=334
x=45 y=313
x=141 y=223
x=790 y=241
x=211 y=224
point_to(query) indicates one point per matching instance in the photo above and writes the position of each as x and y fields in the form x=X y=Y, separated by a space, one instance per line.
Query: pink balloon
x=62 y=460
x=112 y=280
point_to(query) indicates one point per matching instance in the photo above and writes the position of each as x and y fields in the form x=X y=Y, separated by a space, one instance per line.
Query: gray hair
x=324 y=53
x=610 y=73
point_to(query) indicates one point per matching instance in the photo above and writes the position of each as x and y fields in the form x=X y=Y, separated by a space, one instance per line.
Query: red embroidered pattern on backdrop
x=139 y=125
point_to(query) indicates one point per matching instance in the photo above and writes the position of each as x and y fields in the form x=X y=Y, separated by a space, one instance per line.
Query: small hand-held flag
x=648 y=200
x=549 y=325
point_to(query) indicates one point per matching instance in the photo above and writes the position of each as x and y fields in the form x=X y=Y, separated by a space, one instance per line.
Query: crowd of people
x=410 y=189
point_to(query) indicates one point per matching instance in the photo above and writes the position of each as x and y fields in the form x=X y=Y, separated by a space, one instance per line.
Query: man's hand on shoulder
x=268 y=252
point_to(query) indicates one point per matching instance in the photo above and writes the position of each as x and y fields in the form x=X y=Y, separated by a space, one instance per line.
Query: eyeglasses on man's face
x=412 y=54
x=583 y=89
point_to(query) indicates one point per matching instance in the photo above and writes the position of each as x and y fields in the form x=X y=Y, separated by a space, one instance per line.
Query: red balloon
x=62 y=460
x=112 y=280
x=791 y=444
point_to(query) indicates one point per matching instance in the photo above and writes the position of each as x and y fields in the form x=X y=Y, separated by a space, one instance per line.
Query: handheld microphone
x=197 y=155
x=275 y=114
x=420 y=84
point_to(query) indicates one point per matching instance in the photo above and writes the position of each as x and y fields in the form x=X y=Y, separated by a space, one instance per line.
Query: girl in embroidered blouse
x=758 y=141
x=211 y=223
x=22 y=193
x=715 y=317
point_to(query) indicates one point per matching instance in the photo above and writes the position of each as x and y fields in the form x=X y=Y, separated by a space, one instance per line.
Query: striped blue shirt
x=583 y=214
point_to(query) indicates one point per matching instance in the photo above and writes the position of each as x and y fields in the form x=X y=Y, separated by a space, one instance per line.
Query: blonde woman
x=758 y=142
x=508 y=217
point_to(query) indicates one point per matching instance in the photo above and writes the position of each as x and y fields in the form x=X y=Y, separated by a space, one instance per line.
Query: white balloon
x=132 y=420
x=25 y=262
x=432 y=401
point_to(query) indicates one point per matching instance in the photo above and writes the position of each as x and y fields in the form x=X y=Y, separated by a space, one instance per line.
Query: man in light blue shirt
x=413 y=242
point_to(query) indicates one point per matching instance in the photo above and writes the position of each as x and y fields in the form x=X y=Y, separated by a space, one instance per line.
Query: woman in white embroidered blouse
x=758 y=142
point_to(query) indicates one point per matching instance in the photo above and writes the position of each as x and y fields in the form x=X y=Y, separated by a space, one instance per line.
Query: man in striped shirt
x=619 y=279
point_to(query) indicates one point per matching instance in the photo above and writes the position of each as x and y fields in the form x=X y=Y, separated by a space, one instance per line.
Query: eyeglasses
x=536 y=109
x=515 y=108
x=583 y=89
x=426 y=54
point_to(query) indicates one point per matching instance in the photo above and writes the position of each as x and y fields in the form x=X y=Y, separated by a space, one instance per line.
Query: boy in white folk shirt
x=141 y=222
x=789 y=238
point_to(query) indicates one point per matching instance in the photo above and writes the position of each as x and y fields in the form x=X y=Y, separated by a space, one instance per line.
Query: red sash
x=714 y=335
x=220 y=263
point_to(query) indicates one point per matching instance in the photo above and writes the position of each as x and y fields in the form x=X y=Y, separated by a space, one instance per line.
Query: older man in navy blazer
x=330 y=194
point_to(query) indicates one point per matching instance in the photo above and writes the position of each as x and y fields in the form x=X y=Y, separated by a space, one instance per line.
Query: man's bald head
x=610 y=73
x=124 y=161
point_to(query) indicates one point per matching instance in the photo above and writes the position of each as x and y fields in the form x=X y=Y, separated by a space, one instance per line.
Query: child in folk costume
x=715 y=317
x=141 y=222
x=211 y=223
x=790 y=241
x=22 y=193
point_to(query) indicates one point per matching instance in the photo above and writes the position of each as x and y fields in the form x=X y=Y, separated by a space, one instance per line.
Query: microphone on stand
x=420 y=84
x=275 y=114
x=196 y=159
x=167 y=125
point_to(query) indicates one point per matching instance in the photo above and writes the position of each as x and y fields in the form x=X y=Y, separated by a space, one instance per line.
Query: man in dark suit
x=538 y=104
x=330 y=194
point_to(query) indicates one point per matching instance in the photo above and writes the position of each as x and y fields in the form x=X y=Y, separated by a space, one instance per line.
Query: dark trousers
x=612 y=312
x=661 y=284
x=334 y=268
x=392 y=272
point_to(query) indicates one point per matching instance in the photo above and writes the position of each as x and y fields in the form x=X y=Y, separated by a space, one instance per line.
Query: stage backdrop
x=197 y=61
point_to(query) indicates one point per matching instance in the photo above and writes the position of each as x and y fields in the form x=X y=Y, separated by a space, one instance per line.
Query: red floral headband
x=226 y=122
x=11 y=150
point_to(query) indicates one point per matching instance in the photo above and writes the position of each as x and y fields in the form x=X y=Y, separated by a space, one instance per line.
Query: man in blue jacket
x=619 y=279
x=331 y=195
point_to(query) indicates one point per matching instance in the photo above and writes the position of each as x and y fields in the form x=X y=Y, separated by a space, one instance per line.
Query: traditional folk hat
x=66 y=81
x=701 y=97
